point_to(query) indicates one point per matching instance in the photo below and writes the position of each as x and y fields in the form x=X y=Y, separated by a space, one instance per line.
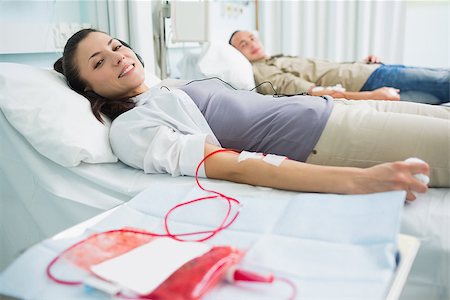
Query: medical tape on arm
x=272 y=159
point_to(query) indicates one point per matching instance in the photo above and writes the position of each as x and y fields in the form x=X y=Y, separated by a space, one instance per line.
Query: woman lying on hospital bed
x=332 y=146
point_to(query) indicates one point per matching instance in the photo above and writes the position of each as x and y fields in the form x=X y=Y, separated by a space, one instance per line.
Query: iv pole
x=164 y=13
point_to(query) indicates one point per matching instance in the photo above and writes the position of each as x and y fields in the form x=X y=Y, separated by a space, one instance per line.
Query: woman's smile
x=126 y=69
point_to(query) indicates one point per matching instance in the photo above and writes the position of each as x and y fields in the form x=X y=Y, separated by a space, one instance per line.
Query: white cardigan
x=164 y=133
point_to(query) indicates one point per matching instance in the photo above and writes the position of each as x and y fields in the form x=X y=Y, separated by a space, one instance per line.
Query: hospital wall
x=27 y=30
x=427 y=34
x=34 y=32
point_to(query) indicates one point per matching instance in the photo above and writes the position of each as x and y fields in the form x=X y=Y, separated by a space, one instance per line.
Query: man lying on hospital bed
x=368 y=79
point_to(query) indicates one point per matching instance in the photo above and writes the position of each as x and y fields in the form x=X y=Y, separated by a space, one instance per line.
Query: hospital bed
x=49 y=182
x=218 y=59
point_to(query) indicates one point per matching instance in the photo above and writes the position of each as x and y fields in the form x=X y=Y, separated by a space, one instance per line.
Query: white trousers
x=365 y=133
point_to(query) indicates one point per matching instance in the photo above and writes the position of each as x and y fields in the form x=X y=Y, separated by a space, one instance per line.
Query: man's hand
x=372 y=59
x=385 y=93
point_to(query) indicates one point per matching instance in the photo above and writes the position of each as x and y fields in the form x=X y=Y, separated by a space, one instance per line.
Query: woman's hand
x=393 y=176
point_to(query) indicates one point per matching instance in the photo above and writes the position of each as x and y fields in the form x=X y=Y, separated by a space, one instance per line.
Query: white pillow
x=54 y=119
x=226 y=62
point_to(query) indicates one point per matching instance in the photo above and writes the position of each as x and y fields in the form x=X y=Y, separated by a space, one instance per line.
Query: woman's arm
x=303 y=177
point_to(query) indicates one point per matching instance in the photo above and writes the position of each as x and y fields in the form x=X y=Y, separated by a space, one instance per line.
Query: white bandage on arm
x=244 y=155
x=272 y=159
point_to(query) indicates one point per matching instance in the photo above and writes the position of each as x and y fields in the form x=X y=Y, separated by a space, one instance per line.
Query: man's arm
x=284 y=83
x=384 y=93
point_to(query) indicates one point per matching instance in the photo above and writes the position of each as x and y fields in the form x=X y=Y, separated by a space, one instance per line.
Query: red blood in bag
x=192 y=280
x=101 y=247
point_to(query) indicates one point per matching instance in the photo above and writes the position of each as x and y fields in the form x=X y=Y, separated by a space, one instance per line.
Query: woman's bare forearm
x=290 y=175
x=297 y=176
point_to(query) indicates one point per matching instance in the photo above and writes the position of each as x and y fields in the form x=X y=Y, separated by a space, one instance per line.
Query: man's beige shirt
x=292 y=75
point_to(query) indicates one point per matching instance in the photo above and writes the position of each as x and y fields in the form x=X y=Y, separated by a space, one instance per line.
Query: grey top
x=243 y=120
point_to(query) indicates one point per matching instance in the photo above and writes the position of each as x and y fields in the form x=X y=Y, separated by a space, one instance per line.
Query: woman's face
x=109 y=68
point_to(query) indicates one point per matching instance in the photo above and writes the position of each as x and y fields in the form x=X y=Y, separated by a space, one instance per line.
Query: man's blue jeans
x=415 y=83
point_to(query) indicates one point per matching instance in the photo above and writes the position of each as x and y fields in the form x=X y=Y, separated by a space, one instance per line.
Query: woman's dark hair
x=67 y=66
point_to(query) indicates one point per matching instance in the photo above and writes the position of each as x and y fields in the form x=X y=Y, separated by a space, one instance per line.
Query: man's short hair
x=231 y=37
